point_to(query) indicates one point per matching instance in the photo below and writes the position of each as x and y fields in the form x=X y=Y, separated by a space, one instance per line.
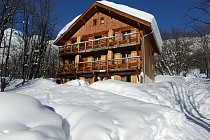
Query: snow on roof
x=66 y=27
x=139 y=14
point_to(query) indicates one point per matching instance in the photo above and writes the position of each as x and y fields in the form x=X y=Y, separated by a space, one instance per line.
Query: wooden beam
x=62 y=41
x=110 y=14
x=137 y=50
x=140 y=27
x=137 y=74
x=83 y=20
x=96 y=8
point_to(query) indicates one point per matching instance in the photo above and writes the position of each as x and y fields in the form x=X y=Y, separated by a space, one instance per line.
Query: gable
x=125 y=14
x=103 y=23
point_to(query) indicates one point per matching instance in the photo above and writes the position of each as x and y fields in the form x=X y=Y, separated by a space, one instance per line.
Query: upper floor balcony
x=121 y=64
x=125 y=40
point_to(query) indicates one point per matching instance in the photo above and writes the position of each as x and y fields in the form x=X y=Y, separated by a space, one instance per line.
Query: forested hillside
x=184 y=51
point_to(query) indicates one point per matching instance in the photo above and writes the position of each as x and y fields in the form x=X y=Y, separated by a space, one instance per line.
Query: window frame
x=102 y=21
x=126 y=32
x=94 y=22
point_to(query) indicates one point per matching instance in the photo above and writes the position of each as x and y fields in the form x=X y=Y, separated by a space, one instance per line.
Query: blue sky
x=168 y=13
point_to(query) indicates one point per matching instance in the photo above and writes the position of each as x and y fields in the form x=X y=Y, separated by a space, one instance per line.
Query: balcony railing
x=121 y=64
x=102 y=43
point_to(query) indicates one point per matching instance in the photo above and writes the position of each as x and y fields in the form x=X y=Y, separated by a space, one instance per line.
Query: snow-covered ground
x=174 y=108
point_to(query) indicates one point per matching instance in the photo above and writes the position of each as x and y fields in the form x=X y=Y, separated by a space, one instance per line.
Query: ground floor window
x=126 y=78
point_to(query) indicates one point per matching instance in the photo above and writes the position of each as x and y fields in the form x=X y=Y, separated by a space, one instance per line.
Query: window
x=126 y=58
x=94 y=22
x=123 y=58
x=126 y=78
x=123 y=78
x=96 y=61
x=73 y=45
x=113 y=39
x=125 y=36
x=97 y=40
x=73 y=41
x=97 y=37
x=98 y=58
x=102 y=20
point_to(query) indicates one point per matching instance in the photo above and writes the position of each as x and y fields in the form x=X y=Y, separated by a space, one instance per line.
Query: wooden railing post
x=137 y=61
x=106 y=41
x=107 y=65
x=128 y=62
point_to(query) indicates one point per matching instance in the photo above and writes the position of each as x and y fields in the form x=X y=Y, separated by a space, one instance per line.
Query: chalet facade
x=109 y=41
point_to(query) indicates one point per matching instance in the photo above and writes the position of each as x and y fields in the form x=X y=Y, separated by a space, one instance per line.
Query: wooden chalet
x=109 y=41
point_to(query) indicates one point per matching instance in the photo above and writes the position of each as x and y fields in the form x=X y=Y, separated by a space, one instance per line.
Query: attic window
x=94 y=22
x=102 y=20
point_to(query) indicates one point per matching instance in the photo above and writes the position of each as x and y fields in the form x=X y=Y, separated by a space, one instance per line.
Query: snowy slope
x=24 y=118
x=187 y=95
x=177 y=108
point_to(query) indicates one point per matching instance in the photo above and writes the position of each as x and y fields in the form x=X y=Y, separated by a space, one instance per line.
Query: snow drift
x=177 y=108
x=25 y=118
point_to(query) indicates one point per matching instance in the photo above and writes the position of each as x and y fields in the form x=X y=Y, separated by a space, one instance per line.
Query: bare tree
x=199 y=15
x=8 y=10
x=44 y=29
x=203 y=41
x=51 y=61
x=36 y=21
x=175 y=56
x=26 y=16
x=38 y=29
x=199 y=11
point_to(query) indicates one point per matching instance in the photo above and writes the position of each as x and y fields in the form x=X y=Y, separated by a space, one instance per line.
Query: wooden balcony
x=101 y=44
x=114 y=65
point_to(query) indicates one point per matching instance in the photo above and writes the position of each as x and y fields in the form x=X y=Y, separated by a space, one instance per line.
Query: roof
x=66 y=27
x=126 y=14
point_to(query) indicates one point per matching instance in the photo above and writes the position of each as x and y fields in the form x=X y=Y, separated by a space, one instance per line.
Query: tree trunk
x=3 y=84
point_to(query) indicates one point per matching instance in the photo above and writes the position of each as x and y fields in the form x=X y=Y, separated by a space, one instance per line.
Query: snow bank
x=77 y=82
x=38 y=83
x=187 y=95
x=115 y=110
x=24 y=118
